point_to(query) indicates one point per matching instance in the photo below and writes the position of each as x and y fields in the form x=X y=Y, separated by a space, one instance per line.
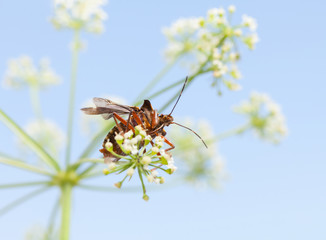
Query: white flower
x=128 y=134
x=237 y=32
x=150 y=178
x=108 y=144
x=249 y=22
x=202 y=41
x=22 y=72
x=146 y=160
x=130 y=171
x=231 y=8
x=111 y=166
x=79 y=14
x=265 y=116
x=118 y=137
x=155 y=173
x=198 y=163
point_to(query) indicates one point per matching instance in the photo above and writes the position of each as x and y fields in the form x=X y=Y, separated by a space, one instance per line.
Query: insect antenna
x=184 y=85
x=191 y=131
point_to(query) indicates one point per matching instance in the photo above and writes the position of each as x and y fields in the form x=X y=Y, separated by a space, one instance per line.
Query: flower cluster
x=136 y=153
x=79 y=15
x=47 y=134
x=199 y=165
x=210 y=43
x=22 y=72
x=265 y=117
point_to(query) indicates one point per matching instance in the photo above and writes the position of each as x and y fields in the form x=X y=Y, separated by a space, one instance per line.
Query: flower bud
x=130 y=171
x=146 y=160
x=145 y=197
x=106 y=171
x=118 y=184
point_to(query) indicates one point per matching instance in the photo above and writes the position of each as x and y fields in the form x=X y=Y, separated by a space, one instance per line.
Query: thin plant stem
x=230 y=133
x=21 y=200
x=31 y=143
x=52 y=218
x=86 y=160
x=20 y=164
x=25 y=184
x=141 y=180
x=73 y=80
x=164 y=90
x=66 y=192
x=94 y=174
x=87 y=170
x=156 y=79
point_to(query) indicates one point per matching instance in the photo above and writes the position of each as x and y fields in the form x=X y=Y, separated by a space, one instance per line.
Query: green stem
x=20 y=164
x=86 y=160
x=164 y=90
x=52 y=218
x=87 y=170
x=73 y=80
x=66 y=192
x=25 y=184
x=21 y=200
x=155 y=80
x=88 y=174
x=230 y=133
x=44 y=156
x=141 y=180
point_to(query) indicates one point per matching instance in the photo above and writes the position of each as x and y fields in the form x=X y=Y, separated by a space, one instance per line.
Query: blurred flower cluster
x=136 y=152
x=22 y=72
x=210 y=44
x=47 y=134
x=199 y=165
x=265 y=117
x=38 y=232
x=85 y=15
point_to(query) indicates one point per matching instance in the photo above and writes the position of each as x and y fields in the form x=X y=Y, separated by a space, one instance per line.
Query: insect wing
x=106 y=108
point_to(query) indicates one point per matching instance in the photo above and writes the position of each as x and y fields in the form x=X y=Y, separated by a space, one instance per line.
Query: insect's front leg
x=169 y=143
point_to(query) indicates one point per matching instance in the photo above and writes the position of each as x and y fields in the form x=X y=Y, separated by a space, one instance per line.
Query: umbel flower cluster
x=139 y=152
x=203 y=167
x=210 y=44
x=22 y=72
x=265 y=117
x=80 y=15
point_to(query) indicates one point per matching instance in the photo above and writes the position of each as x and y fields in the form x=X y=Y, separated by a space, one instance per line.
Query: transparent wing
x=106 y=108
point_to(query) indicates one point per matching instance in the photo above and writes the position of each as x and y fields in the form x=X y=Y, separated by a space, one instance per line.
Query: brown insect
x=152 y=122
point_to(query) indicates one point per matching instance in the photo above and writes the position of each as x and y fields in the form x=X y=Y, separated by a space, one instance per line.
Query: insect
x=151 y=121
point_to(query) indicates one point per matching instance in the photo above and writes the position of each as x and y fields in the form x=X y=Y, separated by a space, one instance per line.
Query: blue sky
x=274 y=192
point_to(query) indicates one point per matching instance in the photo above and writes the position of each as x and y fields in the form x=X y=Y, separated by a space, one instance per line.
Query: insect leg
x=169 y=143
x=154 y=118
x=137 y=119
x=124 y=122
x=115 y=117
